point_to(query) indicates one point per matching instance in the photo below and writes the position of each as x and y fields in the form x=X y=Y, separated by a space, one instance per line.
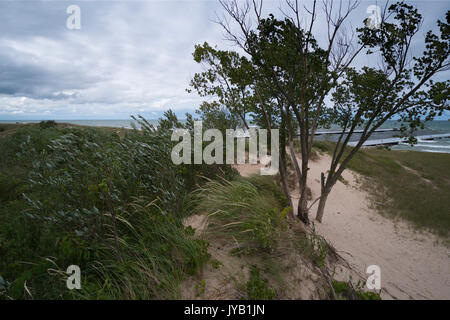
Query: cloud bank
x=128 y=58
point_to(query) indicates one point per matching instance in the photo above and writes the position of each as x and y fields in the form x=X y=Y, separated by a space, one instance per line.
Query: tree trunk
x=283 y=180
x=302 y=209
x=285 y=188
x=321 y=208
x=303 y=202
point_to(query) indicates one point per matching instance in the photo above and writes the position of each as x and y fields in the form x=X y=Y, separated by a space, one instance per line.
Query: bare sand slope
x=413 y=264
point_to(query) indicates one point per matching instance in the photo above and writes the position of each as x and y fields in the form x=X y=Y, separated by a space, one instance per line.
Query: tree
x=293 y=68
x=226 y=76
x=215 y=116
x=400 y=87
x=233 y=80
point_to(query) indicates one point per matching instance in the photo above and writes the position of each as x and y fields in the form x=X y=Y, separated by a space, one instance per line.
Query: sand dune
x=414 y=265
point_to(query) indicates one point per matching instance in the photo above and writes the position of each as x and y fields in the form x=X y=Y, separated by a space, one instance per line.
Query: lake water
x=92 y=123
x=432 y=127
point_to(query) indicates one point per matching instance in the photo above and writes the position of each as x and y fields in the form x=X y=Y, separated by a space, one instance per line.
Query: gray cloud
x=128 y=58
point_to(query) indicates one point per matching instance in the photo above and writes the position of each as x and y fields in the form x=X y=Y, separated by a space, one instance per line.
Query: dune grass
x=412 y=185
x=112 y=206
x=240 y=211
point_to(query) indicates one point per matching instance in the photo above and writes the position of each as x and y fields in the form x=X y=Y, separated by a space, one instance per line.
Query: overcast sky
x=128 y=57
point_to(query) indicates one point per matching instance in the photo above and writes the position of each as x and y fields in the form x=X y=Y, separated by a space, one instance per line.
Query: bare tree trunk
x=303 y=181
x=302 y=208
x=302 y=174
x=284 y=186
x=283 y=170
x=321 y=207
x=244 y=121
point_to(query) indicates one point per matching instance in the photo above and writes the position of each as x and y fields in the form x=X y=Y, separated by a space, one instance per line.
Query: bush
x=47 y=124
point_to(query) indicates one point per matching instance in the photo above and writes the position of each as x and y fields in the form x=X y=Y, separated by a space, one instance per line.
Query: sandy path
x=413 y=265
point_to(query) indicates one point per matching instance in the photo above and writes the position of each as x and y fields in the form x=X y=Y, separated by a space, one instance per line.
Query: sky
x=127 y=57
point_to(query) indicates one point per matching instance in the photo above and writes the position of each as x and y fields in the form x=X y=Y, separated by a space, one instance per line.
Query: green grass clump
x=154 y=254
x=344 y=291
x=239 y=212
x=269 y=189
x=314 y=247
x=216 y=264
x=200 y=288
x=323 y=146
x=258 y=287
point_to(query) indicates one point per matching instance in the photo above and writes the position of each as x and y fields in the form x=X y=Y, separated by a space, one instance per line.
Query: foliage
x=368 y=97
x=155 y=253
x=346 y=291
x=200 y=288
x=215 y=116
x=227 y=78
x=258 y=287
x=47 y=124
x=216 y=264
x=111 y=205
x=277 y=48
x=315 y=247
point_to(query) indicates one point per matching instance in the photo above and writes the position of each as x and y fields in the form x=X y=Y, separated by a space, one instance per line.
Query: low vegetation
x=247 y=221
x=348 y=291
x=116 y=206
x=239 y=212
x=258 y=287
x=113 y=206
x=412 y=185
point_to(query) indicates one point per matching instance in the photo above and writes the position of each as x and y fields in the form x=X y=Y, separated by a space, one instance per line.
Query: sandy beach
x=414 y=264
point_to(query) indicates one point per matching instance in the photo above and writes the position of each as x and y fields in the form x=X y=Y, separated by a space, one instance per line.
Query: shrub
x=154 y=253
x=47 y=124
